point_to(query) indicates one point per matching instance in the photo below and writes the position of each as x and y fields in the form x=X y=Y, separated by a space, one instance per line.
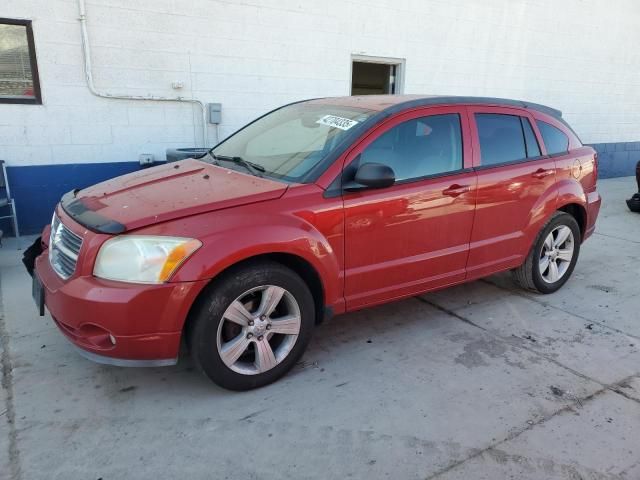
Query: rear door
x=514 y=178
x=413 y=235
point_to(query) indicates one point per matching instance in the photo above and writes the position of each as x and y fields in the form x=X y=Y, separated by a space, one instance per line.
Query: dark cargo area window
x=501 y=138
x=533 y=149
x=554 y=139
x=420 y=147
x=18 y=70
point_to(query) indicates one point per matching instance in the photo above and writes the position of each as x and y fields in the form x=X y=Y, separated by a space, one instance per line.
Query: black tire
x=214 y=301
x=528 y=275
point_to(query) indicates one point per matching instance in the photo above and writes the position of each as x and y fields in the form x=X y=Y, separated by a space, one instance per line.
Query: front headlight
x=143 y=258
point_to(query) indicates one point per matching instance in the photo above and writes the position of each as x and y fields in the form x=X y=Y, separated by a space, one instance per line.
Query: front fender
x=241 y=237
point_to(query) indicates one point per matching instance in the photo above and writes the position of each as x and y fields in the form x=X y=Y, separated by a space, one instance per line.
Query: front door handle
x=455 y=190
x=543 y=172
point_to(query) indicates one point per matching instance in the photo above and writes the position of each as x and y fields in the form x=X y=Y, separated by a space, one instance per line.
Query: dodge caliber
x=317 y=208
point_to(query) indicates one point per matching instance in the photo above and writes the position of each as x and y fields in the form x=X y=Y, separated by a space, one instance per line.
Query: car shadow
x=344 y=334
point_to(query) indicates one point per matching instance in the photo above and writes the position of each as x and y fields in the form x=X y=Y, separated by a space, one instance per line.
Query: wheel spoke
x=232 y=350
x=548 y=242
x=237 y=313
x=563 y=235
x=544 y=264
x=554 y=274
x=265 y=359
x=565 y=254
x=289 y=325
x=271 y=297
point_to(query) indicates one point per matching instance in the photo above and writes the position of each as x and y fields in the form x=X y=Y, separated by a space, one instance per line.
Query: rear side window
x=554 y=139
x=501 y=138
x=419 y=148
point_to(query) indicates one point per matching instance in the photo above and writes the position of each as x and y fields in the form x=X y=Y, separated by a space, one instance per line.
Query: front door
x=414 y=235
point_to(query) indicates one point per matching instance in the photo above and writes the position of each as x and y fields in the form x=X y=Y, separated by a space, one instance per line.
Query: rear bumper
x=593 y=208
x=118 y=323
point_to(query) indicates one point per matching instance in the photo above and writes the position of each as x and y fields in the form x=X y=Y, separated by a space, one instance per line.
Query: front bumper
x=118 y=323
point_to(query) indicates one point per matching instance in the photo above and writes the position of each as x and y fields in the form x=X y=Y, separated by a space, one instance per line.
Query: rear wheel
x=553 y=256
x=252 y=326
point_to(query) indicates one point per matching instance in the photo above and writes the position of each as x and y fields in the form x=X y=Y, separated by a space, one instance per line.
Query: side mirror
x=372 y=175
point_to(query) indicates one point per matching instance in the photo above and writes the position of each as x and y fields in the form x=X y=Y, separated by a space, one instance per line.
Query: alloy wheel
x=556 y=254
x=258 y=330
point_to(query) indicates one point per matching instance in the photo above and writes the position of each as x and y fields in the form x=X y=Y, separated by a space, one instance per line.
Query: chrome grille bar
x=64 y=248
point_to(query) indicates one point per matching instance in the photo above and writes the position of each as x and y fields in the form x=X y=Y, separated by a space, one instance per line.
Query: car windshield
x=292 y=140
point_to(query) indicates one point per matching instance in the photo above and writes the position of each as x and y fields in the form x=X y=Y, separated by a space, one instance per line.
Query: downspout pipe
x=86 y=49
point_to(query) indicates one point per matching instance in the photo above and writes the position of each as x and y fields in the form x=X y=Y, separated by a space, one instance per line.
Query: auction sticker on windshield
x=337 y=122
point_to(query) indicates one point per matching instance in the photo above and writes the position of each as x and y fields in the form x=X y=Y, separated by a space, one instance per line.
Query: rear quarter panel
x=576 y=174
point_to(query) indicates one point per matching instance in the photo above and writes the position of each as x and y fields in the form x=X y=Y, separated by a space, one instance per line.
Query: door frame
x=538 y=213
x=398 y=62
x=411 y=287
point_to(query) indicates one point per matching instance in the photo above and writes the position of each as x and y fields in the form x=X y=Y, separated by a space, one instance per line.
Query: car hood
x=164 y=193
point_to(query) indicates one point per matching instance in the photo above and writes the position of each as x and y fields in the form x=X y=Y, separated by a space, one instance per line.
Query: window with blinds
x=18 y=69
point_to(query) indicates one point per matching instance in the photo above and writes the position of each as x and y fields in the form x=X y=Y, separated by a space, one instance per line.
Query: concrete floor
x=481 y=381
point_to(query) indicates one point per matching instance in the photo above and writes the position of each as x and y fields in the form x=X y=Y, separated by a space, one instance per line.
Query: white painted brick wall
x=579 y=56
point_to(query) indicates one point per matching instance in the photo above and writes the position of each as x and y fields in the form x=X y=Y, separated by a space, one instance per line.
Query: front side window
x=554 y=139
x=289 y=142
x=18 y=71
x=420 y=147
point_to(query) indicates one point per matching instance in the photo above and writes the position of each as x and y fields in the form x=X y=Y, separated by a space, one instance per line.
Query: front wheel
x=553 y=256
x=252 y=325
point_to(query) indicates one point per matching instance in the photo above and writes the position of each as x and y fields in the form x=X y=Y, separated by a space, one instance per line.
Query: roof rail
x=454 y=99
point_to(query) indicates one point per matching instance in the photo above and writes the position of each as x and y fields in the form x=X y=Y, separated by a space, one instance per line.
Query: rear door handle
x=542 y=172
x=455 y=190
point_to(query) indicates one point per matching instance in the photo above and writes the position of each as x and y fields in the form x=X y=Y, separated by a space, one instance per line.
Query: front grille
x=64 y=248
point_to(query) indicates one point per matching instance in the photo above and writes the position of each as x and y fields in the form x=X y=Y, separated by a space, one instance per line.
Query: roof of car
x=401 y=102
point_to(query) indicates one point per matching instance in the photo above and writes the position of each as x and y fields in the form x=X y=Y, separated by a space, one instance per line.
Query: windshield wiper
x=254 y=168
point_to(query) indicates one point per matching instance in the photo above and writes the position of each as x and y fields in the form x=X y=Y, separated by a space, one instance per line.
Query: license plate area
x=37 y=292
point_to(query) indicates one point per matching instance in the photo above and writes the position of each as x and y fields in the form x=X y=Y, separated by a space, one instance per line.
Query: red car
x=317 y=208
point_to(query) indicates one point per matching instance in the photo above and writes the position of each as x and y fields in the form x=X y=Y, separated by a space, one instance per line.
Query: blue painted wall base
x=617 y=159
x=37 y=189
